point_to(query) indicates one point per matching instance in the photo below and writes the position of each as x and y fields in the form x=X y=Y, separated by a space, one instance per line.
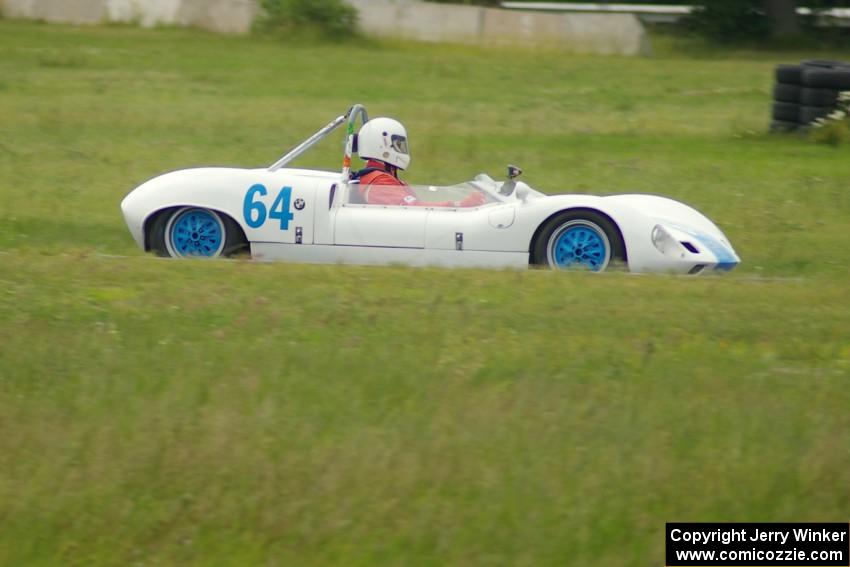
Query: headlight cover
x=664 y=241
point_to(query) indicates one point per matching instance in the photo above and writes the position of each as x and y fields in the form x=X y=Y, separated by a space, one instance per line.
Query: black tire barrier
x=809 y=114
x=819 y=97
x=786 y=93
x=838 y=78
x=807 y=91
x=783 y=126
x=786 y=111
x=789 y=74
x=825 y=63
x=793 y=74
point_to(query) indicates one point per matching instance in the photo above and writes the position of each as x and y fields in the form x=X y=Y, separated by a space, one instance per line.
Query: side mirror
x=509 y=185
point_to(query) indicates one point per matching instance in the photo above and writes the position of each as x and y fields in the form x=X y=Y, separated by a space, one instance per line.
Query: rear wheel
x=579 y=239
x=195 y=232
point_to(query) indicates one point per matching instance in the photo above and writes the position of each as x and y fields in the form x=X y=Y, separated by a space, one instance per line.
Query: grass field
x=231 y=413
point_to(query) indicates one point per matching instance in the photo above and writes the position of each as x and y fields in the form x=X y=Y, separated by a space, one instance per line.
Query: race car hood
x=668 y=212
x=682 y=221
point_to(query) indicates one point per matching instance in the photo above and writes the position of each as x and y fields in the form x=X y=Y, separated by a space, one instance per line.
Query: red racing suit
x=378 y=186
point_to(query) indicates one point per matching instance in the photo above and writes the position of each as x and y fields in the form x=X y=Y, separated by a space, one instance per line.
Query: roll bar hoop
x=350 y=117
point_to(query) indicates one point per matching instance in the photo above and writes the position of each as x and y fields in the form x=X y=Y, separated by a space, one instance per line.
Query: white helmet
x=384 y=139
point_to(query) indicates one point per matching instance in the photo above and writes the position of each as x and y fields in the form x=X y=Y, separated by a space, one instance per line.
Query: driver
x=383 y=143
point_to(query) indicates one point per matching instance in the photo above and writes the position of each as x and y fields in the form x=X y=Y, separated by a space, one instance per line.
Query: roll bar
x=358 y=110
x=352 y=114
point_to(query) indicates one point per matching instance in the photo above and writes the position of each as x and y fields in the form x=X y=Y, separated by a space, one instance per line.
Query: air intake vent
x=691 y=248
x=696 y=269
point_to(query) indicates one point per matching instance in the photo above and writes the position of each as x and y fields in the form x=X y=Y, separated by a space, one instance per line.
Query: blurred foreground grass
x=233 y=413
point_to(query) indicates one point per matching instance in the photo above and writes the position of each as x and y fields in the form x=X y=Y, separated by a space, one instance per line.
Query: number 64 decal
x=254 y=210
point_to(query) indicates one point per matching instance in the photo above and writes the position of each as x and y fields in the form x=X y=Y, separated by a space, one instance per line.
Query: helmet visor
x=399 y=144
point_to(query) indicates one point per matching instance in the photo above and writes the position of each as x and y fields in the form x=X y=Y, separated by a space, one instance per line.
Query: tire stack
x=806 y=92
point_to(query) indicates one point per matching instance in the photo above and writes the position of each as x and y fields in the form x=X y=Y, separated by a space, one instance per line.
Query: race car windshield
x=433 y=193
x=452 y=196
x=399 y=144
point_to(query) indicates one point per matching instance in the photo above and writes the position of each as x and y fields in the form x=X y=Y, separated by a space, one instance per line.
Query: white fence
x=611 y=33
x=621 y=34
x=228 y=16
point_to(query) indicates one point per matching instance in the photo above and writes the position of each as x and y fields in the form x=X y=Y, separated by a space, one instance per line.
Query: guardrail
x=660 y=13
x=652 y=13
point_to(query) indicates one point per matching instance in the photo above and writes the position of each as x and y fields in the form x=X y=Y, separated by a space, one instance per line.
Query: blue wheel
x=578 y=239
x=579 y=244
x=191 y=231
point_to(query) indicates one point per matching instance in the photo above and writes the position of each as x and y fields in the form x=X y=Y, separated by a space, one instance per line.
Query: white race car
x=300 y=215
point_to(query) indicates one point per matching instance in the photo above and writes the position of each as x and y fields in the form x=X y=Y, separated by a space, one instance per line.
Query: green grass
x=233 y=413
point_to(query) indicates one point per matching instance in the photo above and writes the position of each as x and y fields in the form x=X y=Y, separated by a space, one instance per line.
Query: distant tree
x=730 y=20
x=472 y=2
x=782 y=15
x=746 y=20
x=330 y=17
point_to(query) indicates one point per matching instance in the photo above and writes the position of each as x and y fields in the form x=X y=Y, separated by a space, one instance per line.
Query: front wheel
x=195 y=232
x=579 y=239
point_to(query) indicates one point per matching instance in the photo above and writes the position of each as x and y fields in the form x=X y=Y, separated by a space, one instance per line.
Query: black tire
x=786 y=111
x=793 y=74
x=234 y=237
x=825 y=63
x=819 y=97
x=590 y=219
x=786 y=93
x=809 y=114
x=827 y=79
x=789 y=74
x=783 y=126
